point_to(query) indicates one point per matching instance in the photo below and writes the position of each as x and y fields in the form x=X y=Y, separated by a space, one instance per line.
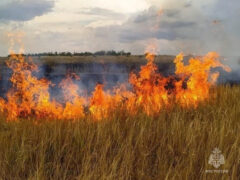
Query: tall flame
x=196 y=74
x=74 y=103
x=149 y=87
x=102 y=104
x=30 y=97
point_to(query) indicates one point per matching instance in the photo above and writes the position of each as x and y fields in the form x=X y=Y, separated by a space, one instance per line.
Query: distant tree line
x=98 y=53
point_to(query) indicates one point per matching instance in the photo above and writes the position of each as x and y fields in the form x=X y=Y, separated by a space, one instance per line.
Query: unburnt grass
x=174 y=144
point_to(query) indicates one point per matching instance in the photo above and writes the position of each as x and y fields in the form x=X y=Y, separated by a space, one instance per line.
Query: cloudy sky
x=173 y=26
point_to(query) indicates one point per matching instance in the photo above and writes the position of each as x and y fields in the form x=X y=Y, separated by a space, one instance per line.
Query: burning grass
x=162 y=128
x=30 y=97
x=173 y=144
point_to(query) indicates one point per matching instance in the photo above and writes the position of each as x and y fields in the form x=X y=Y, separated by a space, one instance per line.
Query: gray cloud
x=148 y=24
x=100 y=12
x=152 y=15
x=24 y=10
x=192 y=29
x=188 y=4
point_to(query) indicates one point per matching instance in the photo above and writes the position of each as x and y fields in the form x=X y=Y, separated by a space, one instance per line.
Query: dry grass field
x=53 y=60
x=175 y=144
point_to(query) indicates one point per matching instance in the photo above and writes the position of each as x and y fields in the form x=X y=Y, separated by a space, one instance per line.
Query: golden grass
x=176 y=144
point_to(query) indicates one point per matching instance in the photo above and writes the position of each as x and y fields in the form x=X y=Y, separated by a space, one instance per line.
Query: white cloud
x=188 y=26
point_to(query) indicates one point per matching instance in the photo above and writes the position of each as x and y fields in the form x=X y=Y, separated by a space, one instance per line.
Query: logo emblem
x=216 y=159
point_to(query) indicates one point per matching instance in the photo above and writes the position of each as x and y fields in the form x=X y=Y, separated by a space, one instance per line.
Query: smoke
x=109 y=74
x=232 y=77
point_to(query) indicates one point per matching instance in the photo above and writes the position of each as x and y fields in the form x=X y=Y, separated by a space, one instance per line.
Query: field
x=53 y=60
x=119 y=90
x=175 y=144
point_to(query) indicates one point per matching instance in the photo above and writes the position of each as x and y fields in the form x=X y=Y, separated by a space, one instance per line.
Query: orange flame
x=74 y=103
x=148 y=87
x=196 y=74
x=30 y=97
x=102 y=103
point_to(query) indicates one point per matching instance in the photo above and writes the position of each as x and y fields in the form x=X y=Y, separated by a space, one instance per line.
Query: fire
x=196 y=76
x=74 y=103
x=27 y=92
x=29 y=96
x=102 y=104
x=191 y=85
x=148 y=87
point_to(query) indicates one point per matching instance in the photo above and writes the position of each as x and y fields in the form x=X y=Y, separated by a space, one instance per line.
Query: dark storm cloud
x=24 y=10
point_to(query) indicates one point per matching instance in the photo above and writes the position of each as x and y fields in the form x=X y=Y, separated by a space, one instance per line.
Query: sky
x=172 y=26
